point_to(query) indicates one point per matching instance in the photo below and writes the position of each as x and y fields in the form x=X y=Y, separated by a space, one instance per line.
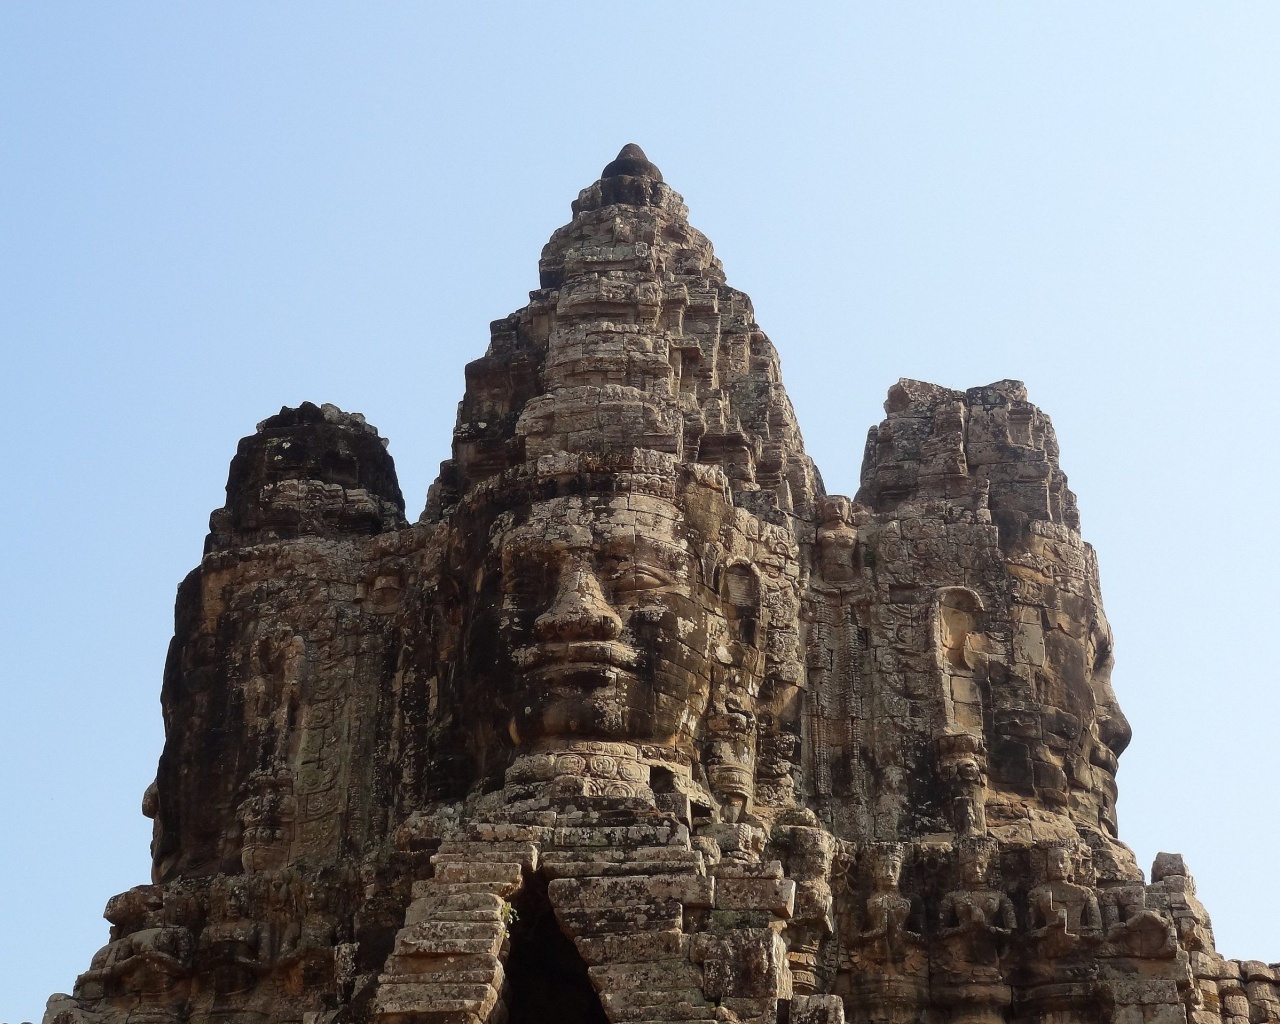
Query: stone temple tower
x=637 y=723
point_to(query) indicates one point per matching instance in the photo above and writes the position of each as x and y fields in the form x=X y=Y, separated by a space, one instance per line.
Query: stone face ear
x=741 y=587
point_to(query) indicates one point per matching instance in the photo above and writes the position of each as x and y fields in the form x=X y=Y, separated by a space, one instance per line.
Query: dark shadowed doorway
x=547 y=981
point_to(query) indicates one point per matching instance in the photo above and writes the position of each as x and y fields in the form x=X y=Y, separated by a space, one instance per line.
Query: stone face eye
x=529 y=573
x=638 y=579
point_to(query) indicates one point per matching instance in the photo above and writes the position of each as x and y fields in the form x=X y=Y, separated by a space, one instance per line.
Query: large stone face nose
x=580 y=610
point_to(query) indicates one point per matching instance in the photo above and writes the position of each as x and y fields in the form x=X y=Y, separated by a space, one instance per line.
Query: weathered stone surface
x=637 y=723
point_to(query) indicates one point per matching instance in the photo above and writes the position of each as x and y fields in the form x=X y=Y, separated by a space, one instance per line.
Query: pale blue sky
x=208 y=211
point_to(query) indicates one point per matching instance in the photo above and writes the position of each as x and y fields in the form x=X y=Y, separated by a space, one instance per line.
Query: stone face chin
x=637 y=723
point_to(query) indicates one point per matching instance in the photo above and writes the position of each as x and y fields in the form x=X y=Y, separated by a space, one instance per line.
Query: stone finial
x=1168 y=865
x=632 y=162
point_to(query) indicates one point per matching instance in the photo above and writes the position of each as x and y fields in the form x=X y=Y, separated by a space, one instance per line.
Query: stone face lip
x=638 y=723
x=632 y=162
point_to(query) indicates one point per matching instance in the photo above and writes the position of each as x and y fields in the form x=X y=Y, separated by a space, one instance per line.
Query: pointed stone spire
x=634 y=341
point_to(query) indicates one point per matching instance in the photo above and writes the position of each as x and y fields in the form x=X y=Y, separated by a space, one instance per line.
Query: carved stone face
x=974 y=861
x=1109 y=732
x=886 y=866
x=608 y=628
x=1084 y=725
x=1057 y=863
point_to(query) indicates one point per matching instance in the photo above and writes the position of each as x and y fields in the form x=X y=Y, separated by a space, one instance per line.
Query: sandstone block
x=621 y=918
x=504 y=875
x=777 y=895
x=689 y=890
x=816 y=1010
x=617 y=948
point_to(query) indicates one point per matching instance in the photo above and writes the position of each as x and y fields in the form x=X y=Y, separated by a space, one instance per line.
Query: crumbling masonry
x=637 y=723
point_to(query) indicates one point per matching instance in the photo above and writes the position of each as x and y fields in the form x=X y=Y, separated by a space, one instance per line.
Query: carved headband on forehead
x=978 y=848
x=1072 y=848
x=564 y=474
x=886 y=854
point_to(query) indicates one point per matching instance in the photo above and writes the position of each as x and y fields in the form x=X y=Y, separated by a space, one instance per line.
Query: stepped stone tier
x=637 y=723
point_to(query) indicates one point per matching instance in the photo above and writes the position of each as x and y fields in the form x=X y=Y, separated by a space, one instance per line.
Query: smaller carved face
x=234 y=902
x=886 y=867
x=974 y=862
x=1057 y=861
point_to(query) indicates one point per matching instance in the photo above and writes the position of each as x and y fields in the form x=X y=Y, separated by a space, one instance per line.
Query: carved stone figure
x=636 y=722
x=809 y=857
x=962 y=757
x=976 y=924
x=233 y=942
x=150 y=954
x=837 y=541
x=886 y=975
x=886 y=935
x=266 y=819
x=1062 y=914
x=1129 y=924
x=976 y=911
